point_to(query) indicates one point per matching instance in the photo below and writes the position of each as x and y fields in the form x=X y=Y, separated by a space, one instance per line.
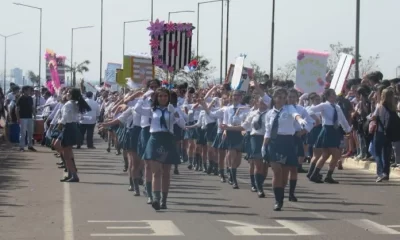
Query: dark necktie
x=335 y=116
x=258 y=125
x=163 y=122
x=275 y=124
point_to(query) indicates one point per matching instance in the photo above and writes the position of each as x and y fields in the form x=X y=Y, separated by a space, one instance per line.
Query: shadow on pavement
x=10 y=160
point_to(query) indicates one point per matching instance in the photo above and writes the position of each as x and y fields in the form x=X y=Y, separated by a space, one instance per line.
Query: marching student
x=299 y=139
x=161 y=147
x=330 y=137
x=314 y=153
x=68 y=125
x=280 y=142
x=233 y=140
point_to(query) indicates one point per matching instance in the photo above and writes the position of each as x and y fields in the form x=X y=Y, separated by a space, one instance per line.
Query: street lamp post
x=72 y=44
x=357 y=69
x=123 y=37
x=271 y=70
x=5 y=56
x=397 y=74
x=185 y=11
x=101 y=42
x=222 y=31
x=40 y=34
x=152 y=10
x=227 y=36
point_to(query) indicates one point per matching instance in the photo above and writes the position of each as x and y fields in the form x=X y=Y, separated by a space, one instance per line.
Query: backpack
x=393 y=126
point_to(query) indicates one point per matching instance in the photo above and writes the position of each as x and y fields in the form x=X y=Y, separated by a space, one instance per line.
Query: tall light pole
x=123 y=36
x=40 y=35
x=72 y=44
x=222 y=30
x=227 y=36
x=222 y=40
x=271 y=70
x=152 y=10
x=397 y=74
x=5 y=56
x=184 y=11
x=357 y=69
x=101 y=42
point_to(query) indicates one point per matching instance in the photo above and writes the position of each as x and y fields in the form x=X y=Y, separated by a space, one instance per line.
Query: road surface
x=35 y=205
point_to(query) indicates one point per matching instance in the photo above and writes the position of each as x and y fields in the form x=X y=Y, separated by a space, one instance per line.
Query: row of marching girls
x=150 y=119
x=64 y=130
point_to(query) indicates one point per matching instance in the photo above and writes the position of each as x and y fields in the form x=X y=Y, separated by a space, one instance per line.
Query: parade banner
x=244 y=79
x=171 y=44
x=311 y=70
x=111 y=73
x=341 y=72
x=139 y=68
x=55 y=71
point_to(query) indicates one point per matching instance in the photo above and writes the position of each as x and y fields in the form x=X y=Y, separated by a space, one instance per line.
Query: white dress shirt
x=69 y=113
x=286 y=120
x=252 y=119
x=233 y=119
x=304 y=115
x=219 y=115
x=91 y=116
x=155 y=116
x=55 y=109
x=327 y=113
x=144 y=120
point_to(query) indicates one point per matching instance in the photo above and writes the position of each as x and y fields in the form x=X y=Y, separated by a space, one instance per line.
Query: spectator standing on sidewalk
x=25 y=111
x=88 y=121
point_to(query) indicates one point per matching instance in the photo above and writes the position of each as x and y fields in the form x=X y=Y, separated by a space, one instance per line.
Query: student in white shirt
x=68 y=125
x=218 y=114
x=299 y=139
x=178 y=131
x=161 y=147
x=88 y=121
x=233 y=140
x=330 y=137
x=280 y=141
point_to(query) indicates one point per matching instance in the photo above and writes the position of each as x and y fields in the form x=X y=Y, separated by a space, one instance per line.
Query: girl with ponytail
x=69 y=133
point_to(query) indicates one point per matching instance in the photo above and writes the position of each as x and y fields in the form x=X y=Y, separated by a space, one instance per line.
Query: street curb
x=367 y=165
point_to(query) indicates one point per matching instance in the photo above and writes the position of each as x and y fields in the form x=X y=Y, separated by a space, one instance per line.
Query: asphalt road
x=35 y=205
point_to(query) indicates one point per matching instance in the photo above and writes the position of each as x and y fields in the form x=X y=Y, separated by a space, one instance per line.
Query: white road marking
x=393 y=226
x=68 y=220
x=157 y=227
x=246 y=229
x=373 y=227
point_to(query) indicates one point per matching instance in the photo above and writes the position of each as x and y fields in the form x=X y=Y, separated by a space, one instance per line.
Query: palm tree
x=77 y=68
x=33 y=77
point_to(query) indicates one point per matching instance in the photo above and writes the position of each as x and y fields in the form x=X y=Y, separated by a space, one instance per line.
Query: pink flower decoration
x=155 y=52
x=158 y=62
x=180 y=27
x=171 y=69
x=156 y=28
x=188 y=26
x=154 y=43
x=189 y=33
x=170 y=27
x=300 y=56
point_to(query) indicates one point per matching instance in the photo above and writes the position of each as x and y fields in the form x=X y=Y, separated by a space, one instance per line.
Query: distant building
x=17 y=75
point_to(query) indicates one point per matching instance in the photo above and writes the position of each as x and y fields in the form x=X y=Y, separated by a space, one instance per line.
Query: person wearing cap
x=38 y=101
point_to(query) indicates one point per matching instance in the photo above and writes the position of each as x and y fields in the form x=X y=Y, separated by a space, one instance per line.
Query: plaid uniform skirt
x=313 y=135
x=329 y=137
x=143 y=139
x=217 y=141
x=131 y=139
x=211 y=132
x=161 y=147
x=255 y=145
x=69 y=135
x=283 y=150
x=233 y=140
x=191 y=134
x=201 y=136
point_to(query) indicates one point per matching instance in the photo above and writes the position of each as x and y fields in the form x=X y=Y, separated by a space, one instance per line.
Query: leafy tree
x=259 y=75
x=77 y=68
x=366 y=64
x=33 y=77
x=196 y=77
x=286 y=72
